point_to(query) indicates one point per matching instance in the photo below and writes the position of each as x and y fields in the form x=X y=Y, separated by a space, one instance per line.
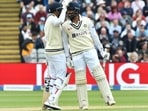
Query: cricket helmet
x=55 y=6
x=73 y=10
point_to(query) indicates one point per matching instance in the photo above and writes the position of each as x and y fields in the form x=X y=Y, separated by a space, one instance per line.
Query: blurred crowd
x=122 y=27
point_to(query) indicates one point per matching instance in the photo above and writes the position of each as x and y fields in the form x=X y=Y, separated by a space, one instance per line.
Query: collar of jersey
x=78 y=25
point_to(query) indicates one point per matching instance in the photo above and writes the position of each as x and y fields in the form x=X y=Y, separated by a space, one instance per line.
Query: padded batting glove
x=65 y=3
x=105 y=55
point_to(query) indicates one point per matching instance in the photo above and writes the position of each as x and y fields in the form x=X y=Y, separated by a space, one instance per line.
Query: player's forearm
x=65 y=44
x=61 y=18
x=96 y=39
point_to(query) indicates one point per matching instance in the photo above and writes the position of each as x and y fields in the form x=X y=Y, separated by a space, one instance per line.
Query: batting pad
x=80 y=77
x=82 y=95
x=58 y=86
x=81 y=89
x=102 y=82
x=45 y=96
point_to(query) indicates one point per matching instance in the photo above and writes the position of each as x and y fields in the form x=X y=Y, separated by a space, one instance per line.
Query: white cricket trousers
x=88 y=57
x=57 y=66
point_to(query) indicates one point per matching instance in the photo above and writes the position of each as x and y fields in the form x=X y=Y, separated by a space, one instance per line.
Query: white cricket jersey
x=79 y=35
x=53 y=36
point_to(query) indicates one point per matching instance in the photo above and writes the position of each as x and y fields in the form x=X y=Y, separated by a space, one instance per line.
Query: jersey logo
x=79 y=34
x=76 y=26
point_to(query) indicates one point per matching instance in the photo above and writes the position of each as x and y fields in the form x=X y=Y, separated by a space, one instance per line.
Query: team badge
x=85 y=25
x=69 y=28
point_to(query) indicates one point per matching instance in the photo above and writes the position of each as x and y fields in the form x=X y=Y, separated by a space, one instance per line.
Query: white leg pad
x=57 y=89
x=82 y=89
x=102 y=82
x=60 y=88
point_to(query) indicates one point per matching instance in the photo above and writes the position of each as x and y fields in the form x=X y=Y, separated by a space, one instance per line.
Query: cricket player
x=55 y=54
x=82 y=38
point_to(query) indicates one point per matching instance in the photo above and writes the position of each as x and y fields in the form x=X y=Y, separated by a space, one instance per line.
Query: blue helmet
x=73 y=10
x=55 y=6
x=73 y=6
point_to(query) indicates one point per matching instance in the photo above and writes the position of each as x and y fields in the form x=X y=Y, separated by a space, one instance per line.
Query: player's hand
x=105 y=55
x=69 y=62
x=66 y=2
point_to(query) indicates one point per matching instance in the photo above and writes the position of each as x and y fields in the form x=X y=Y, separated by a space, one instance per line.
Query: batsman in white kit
x=82 y=38
x=56 y=77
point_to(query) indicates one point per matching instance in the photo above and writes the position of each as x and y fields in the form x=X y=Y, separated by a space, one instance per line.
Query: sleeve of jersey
x=65 y=43
x=95 y=38
x=60 y=19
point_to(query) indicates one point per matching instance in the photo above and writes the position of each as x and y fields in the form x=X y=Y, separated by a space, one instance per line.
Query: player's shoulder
x=84 y=18
x=66 y=22
x=51 y=17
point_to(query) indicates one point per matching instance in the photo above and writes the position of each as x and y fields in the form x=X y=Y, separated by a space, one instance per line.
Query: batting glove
x=105 y=55
x=66 y=2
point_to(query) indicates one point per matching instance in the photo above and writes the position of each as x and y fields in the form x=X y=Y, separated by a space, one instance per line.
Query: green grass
x=126 y=100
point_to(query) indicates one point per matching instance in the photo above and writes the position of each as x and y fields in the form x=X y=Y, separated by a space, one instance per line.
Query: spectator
x=114 y=14
x=145 y=10
x=108 y=4
x=40 y=13
x=29 y=44
x=145 y=57
x=133 y=57
x=136 y=24
x=130 y=43
x=125 y=19
x=143 y=48
x=121 y=4
x=115 y=58
x=24 y=3
x=127 y=8
x=127 y=28
x=37 y=4
x=121 y=55
x=39 y=43
x=102 y=19
x=42 y=36
x=27 y=47
x=115 y=26
x=24 y=15
x=31 y=7
x=137 y=4
x=114 y=3
x=104 y=38
x=100 y=8
x=115 y=43
x=138 y=15
x=90 y=14
x=141 y=32
x=31 y=25
x=25 y=32
x=42 y=23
